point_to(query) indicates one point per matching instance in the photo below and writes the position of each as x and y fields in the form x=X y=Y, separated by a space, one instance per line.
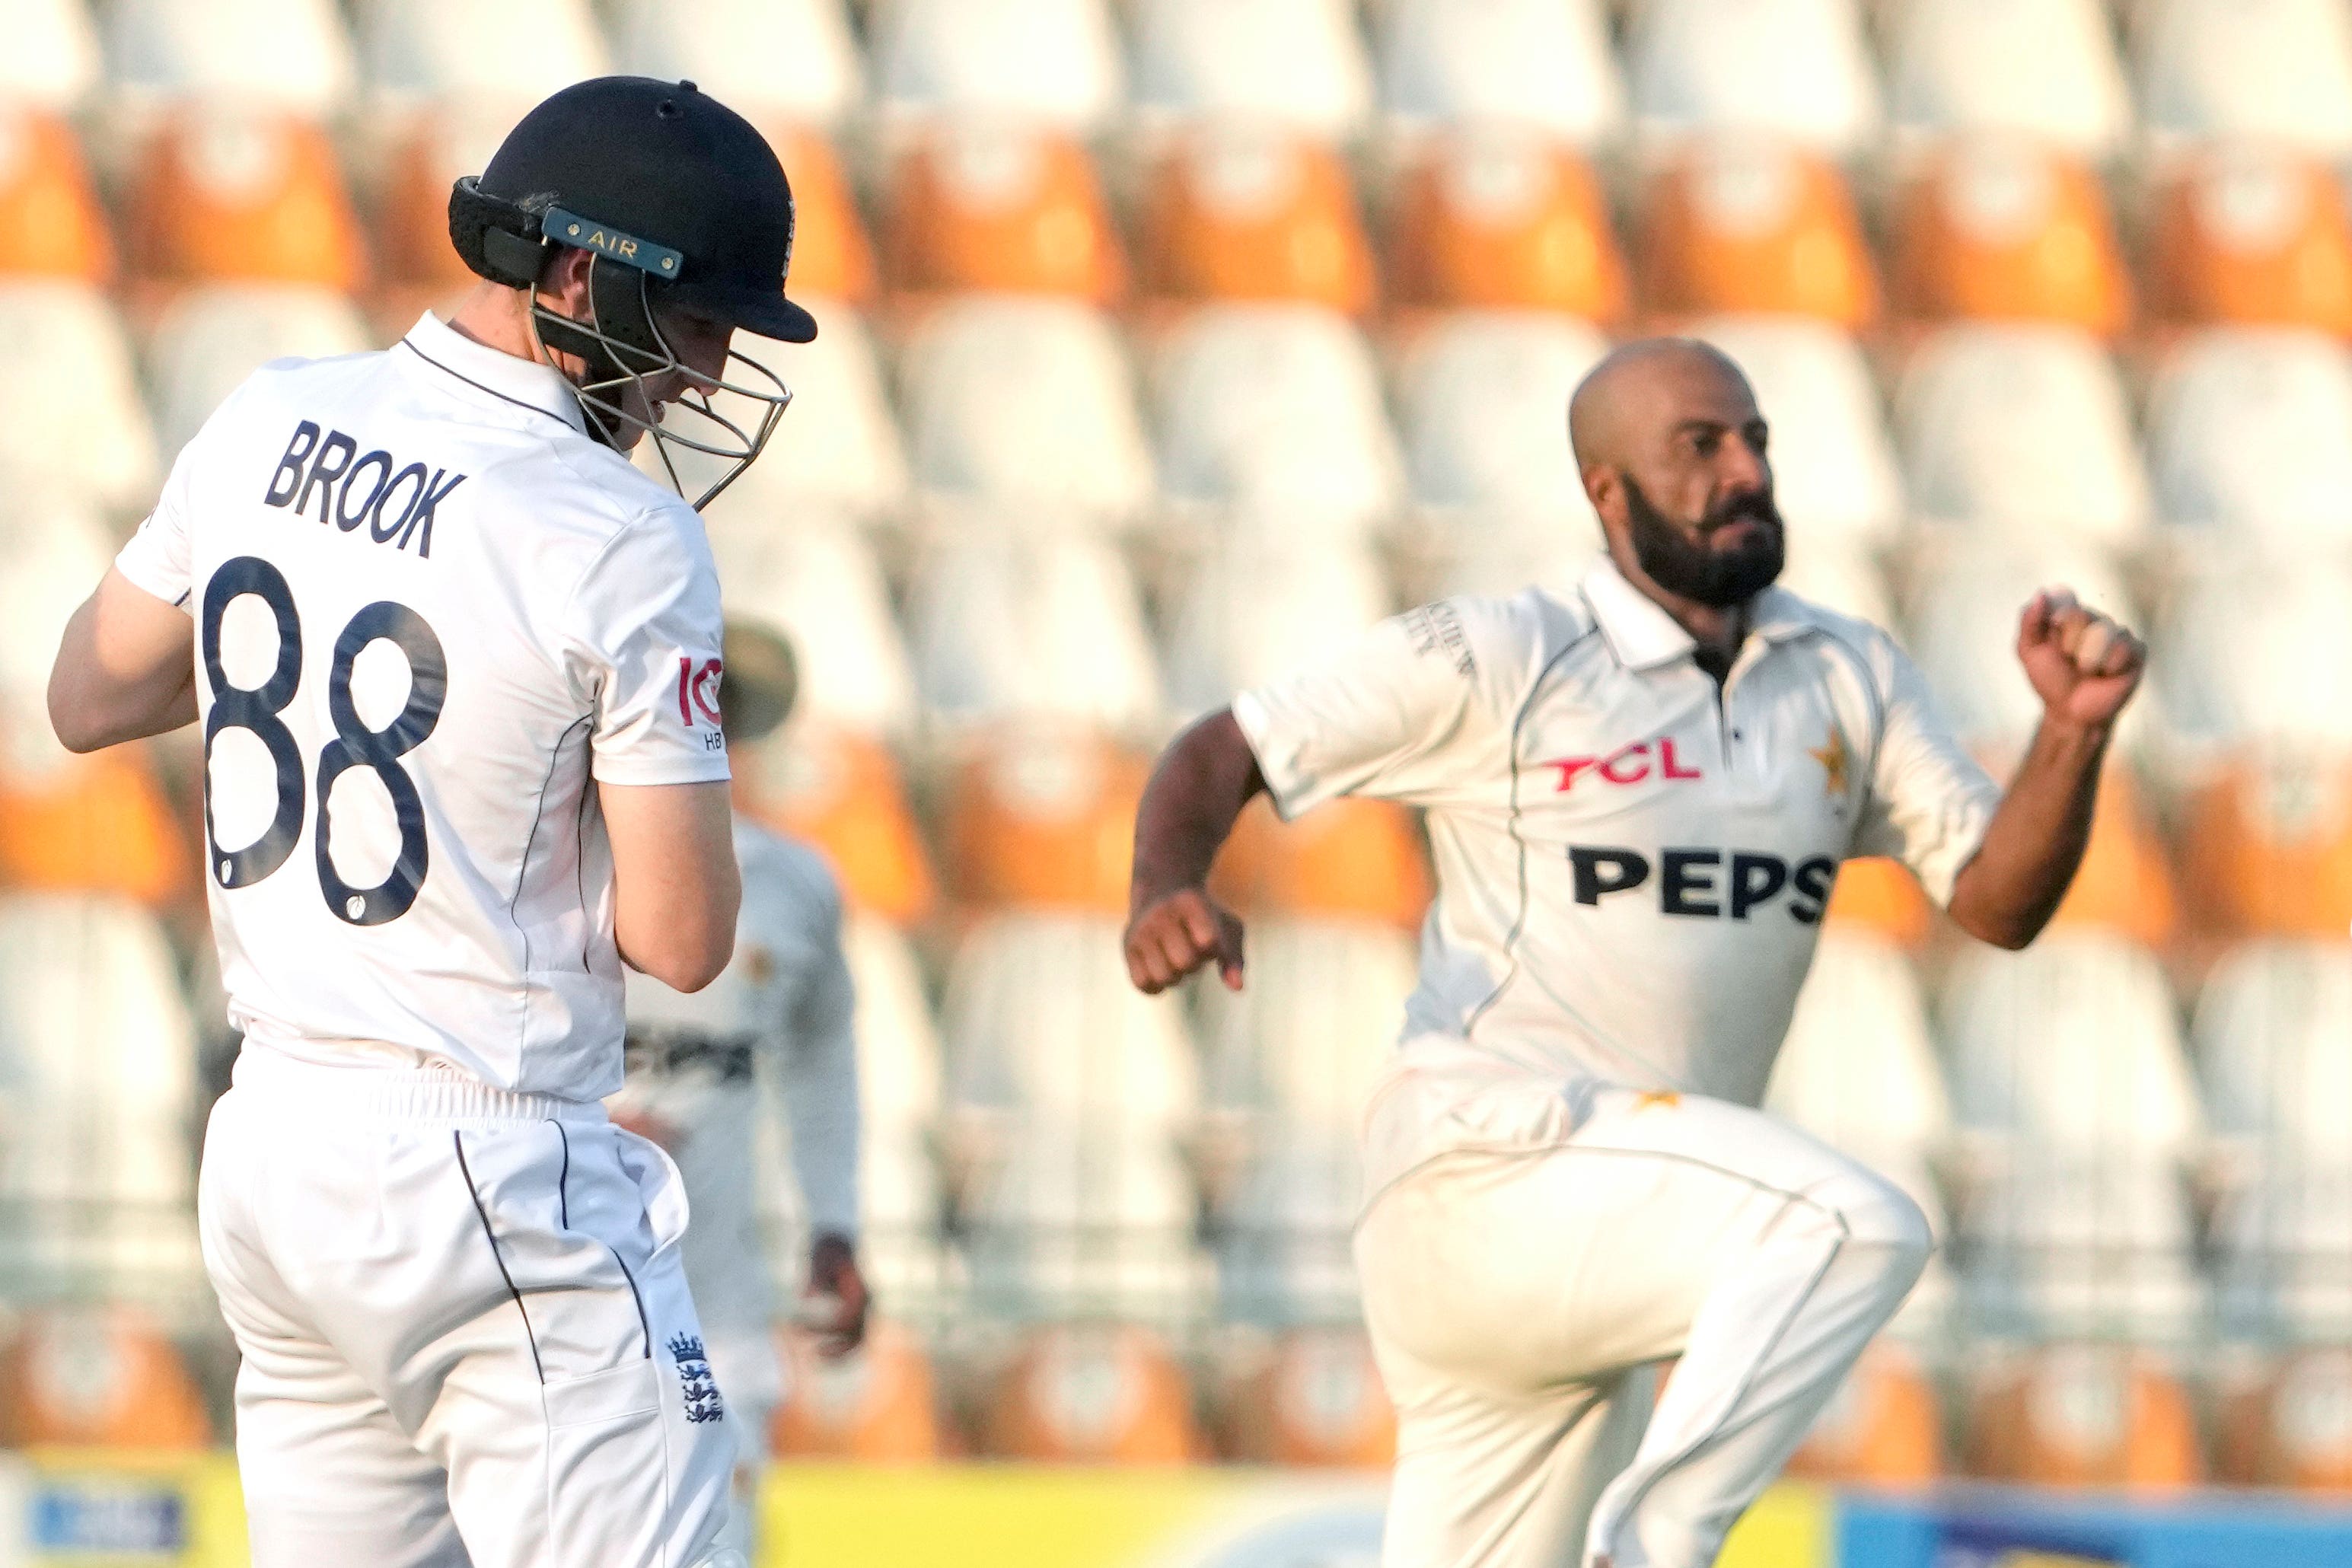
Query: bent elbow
x=691 y=966
x=74 y=732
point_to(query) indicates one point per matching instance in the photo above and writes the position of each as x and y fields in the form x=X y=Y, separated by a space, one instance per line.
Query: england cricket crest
x=696 y=1384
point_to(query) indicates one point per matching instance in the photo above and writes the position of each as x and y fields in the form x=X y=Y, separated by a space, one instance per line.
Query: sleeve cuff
x=712 y=769
x=142 y=576
x=1283 y=787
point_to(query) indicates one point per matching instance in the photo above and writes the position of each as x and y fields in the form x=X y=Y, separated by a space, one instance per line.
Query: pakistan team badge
x=699 y=1389
x=1837 y=762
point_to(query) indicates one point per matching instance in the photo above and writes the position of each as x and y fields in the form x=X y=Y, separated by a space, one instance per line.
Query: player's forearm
x=2035 y=842
x=122 y=673
x=1204 y=779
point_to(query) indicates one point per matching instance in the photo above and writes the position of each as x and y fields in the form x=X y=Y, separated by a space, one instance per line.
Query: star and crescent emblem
x=1835 y=761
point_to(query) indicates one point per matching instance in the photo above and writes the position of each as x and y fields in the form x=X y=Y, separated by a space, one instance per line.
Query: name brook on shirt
x=1707 y=884
x=335 y=471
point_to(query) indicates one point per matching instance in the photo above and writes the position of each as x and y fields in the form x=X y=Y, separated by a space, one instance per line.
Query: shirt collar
x=527 y=384
x=1643 y=637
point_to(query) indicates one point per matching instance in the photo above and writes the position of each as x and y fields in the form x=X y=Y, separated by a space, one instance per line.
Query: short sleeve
x=1399 y=714
x=641 y=645
x=1929 y=803
x=156 y=558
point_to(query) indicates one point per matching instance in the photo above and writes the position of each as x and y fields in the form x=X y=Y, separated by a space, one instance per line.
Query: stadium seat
x=1884 y=1427
x=835 y=450
x=1858 y=1068
x=831 y=258
x=98 y=1376
x=1284 y=1198
x=1028 y=403
x=1277 y=407
x=900 y=1092
x=1299 y=64
x=235 y=195
x=1833 y=466
x=2083 y=1415
x=842 y=791
x=1011 y=623
x=212 y=338
x=1798 y=68
x=2280 y=69
x=2255 y=234
x=2290 y=1424
x=1311 y=1397
x=1042 y=817
x=412 y=250
x=815 y=579
x=1834 y=573
x=1998 y=227
x=52 y=60
x=1747 y=224
x=2045 y=68
x=70 y=412
x=1505 y=219
x=419 y=51
x=1093 y=1393
x=1878 y=895
x=1300 y=1047
x=1254 y=213
x=1055 y=61
x=791 y=61
x=978 y=205
x=1254 y=610
x=1543 y=65
x=2247 y=432
x=290 y=55
x=1482 y=399
x=2022 y=426
x=51 y=220
x=1501 y=555
x=878 y=1406
x=101 y=1053
x=1347 y=859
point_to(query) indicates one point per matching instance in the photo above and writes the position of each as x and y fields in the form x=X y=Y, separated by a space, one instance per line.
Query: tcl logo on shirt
x=1707 y=884
x=1631 y=765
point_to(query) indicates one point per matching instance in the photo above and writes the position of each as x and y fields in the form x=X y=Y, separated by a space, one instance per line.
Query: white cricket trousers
x=468 y=1339
x=1534 y=1248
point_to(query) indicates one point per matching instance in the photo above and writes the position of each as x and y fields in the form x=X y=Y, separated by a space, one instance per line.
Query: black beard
x=1685 y=566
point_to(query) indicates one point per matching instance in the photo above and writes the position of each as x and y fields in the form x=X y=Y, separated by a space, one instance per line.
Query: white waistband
x=435 y=1092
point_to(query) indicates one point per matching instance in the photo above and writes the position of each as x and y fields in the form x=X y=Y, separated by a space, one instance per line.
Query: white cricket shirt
x=1631 y=863
x=785 y=1000
x=430 y=613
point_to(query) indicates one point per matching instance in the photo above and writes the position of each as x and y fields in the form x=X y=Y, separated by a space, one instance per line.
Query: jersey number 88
x=256 y=710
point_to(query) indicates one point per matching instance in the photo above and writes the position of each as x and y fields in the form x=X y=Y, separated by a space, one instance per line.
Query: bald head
x=1638 y=389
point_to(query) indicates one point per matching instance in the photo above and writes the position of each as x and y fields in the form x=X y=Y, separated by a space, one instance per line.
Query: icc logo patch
x=699 y=1389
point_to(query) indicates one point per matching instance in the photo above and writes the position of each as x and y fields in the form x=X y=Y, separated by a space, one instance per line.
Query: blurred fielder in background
x=1638 y=793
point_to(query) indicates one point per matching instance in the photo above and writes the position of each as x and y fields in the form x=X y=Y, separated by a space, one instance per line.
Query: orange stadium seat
x=412 y=194
x=2083 y=1416
x=831 y=258
x=1505 y=219
x=1349 y=858
x=1248 y=213
x=2001 y=227
x=1312 y=1397
x=1093 y=1393
x=2125 y=884
x=1043 y=817
x=1883 y=1426
x=97 y=824
x=50 y=220
x=877 y=1405
x=2253 y=233
x=98 y=1375
x=227 y=194
x=2268 y=848
x=1003 y=207
x=1742 y=224
x=2290 y=1424
x=842 y=791
x=1880 y=894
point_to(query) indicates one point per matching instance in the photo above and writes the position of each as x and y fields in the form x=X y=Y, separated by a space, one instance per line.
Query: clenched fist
x=1169 y=937
x=2083 y=666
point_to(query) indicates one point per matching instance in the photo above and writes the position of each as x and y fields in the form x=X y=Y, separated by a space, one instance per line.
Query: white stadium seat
x=1026 y=400
x=70 y=405
x=423 y=50
x=1012 y=619
x=2250 y=431
x=101 y=1055
x=2278 y=70
x=1540 y=63
x=212 y=338
x=57 y=548
x=1297 y=63
x=1834 y=467
x=289 y=54
x=788 y=60
x=2046 y=67
x=1257 y=607
x=1835 y=574
x=813 y=577
x=1859 y=1067
x=1051 y=61
x=1798 y=67
x=52 y=59
x=2025 y=428
x=2255 y=655
x=1301 y=1047
x=1278 y=405
x=1483 y=403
